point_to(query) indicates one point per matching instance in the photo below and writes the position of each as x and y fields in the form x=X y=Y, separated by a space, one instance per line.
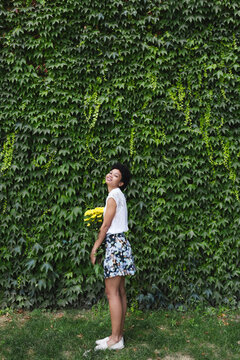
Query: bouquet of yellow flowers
x=93 y=216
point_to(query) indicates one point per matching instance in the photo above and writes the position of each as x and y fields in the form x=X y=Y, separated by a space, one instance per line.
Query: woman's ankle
x=115 y=338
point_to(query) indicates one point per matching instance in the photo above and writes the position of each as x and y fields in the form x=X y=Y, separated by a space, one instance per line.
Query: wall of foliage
x=151 y=83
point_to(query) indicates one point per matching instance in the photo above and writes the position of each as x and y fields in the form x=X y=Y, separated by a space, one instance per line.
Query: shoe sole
x=108 y=348
x=119 y=348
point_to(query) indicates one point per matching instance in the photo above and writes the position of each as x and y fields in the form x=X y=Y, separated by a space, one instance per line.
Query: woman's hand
x=93 y=257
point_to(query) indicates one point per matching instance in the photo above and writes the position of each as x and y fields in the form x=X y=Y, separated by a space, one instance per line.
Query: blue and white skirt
x=118 y=259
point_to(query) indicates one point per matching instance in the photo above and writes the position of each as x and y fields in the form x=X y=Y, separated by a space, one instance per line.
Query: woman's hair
x=126 y=175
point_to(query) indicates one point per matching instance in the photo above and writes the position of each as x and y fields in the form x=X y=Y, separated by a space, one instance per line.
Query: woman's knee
x=112 y=292
x=107 y=292
x=122 y=289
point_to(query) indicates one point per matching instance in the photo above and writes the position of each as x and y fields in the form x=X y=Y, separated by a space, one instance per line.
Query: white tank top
x=120 y=221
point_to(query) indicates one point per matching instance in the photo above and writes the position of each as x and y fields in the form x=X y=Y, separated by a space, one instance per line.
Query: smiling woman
x=118 y=260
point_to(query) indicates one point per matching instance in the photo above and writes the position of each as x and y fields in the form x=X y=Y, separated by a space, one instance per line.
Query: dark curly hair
x=125 y=172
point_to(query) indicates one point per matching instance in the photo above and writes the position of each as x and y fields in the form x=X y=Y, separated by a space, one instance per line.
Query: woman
x=118 y=260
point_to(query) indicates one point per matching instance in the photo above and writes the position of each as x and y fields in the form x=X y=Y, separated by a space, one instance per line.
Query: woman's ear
x=120 y=184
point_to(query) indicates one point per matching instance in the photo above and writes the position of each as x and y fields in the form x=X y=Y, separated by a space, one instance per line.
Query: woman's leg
x=115 y=306
x=124 y=302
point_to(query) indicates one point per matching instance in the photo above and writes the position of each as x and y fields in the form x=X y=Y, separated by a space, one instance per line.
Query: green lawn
x=166 y=335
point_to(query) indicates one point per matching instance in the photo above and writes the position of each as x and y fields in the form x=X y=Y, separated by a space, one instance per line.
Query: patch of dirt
x=24 y=318
x=79 y=316
x=210 y=346
x=236 y=318
x=144 y=345
x=20 y=317
x=163 y=328
x=30 y=352
x=67 y=354
x=4 y=319
x=178 y=357
x=58 y=315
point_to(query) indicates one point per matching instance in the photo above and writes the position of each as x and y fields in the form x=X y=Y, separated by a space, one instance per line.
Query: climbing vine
x=6 y=154
x=92 y=103
x=182 y=97
x=46 y=157
x=153 y=84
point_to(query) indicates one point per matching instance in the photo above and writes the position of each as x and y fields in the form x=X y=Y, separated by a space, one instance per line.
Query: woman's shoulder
x=116 y=193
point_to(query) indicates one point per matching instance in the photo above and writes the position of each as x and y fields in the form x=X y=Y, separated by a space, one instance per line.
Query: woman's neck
x=112 y=188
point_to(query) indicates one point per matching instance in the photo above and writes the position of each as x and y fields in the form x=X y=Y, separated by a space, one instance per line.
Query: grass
x=165 y=335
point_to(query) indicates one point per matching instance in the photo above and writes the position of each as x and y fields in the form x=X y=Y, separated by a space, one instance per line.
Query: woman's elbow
x=105 y=227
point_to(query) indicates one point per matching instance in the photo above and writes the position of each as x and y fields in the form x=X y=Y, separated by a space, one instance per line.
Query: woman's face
x=114 y=178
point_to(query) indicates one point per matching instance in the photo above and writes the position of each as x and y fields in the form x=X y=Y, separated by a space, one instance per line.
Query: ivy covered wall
x=154 y=84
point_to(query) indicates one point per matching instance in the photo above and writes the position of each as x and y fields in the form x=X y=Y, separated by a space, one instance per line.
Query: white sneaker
x=117 y=346
x=100 y=341
x=104 y=346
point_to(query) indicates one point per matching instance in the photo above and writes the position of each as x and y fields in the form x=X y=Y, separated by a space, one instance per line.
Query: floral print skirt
x=118 y=259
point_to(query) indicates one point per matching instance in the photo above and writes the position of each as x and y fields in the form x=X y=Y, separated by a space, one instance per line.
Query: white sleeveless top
x=120 y=221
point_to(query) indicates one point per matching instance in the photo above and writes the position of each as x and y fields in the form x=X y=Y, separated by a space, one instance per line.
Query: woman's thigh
x=113 y=285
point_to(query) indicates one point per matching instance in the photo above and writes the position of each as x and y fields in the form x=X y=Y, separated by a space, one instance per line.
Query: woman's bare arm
x=108 y=217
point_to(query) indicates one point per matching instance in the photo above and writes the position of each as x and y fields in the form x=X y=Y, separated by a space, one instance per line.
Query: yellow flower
x=92 y=214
